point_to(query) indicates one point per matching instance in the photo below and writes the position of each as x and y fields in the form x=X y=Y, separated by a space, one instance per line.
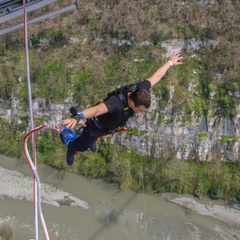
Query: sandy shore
x=229 y=215
x=15 y=185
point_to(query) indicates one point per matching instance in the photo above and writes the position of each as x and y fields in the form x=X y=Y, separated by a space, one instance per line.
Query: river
x=78 y=208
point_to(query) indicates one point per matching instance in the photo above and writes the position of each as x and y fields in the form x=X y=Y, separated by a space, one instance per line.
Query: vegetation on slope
x=75 y=55
x=114 y=163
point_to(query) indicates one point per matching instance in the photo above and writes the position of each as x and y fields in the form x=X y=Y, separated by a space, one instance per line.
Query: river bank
x=228 y=212
x=112 y=206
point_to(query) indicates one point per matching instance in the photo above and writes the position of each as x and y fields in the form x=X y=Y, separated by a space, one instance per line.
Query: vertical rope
x=143 y=193
x=31 y=118
x=33 y=164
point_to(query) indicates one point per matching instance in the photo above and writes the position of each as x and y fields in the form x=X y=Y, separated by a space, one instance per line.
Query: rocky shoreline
x=16 y=183
x=228 y=214
x=17 y=186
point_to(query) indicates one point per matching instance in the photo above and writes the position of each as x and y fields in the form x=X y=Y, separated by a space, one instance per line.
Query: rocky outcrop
x=202 y=139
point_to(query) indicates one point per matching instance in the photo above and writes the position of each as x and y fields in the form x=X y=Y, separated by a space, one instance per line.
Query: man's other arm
x=157 y=76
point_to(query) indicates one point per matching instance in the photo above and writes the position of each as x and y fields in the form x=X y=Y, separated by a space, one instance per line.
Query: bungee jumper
x=113 y=113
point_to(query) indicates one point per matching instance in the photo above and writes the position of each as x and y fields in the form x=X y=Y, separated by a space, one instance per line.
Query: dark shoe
x=70 y=156
x=93 y=147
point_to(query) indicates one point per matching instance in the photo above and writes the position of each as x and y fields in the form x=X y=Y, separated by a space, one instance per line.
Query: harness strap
x=94 y=122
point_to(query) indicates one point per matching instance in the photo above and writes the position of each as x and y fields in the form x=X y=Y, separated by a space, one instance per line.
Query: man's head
x=139 y=100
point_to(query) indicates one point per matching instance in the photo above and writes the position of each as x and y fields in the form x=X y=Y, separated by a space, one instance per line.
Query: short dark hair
x=141 y=97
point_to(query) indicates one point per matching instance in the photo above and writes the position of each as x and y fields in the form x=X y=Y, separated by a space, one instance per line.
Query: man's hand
x=175 y=59
x=71 y=122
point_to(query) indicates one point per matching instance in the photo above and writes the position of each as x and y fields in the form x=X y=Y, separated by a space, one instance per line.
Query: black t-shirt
x=115 y=115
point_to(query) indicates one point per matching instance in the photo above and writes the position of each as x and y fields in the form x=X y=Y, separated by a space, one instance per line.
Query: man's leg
x=82 y=143
x=93 y=147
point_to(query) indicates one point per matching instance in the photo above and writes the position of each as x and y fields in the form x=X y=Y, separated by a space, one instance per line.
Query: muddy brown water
x=101 y=210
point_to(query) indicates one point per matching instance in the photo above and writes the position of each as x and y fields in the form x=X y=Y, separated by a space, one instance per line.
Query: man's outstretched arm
x=157 y=76
x=90 y=112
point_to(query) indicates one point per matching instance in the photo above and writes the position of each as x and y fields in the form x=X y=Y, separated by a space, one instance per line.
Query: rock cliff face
x=204 y=139
x=201 y=139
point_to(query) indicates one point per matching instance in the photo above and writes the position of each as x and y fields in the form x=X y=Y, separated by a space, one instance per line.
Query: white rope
x=33 y=163
x=31 y=119
x=34 y=170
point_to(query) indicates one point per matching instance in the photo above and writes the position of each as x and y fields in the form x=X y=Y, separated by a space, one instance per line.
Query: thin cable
x=143 y=191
